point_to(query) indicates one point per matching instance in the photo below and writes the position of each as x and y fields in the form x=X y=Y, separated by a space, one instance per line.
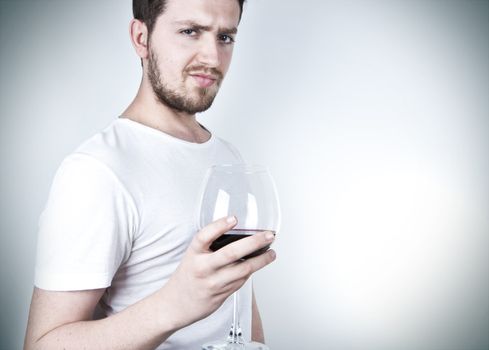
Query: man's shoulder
x=115 y=146
x=109 y=141
x=107 y=149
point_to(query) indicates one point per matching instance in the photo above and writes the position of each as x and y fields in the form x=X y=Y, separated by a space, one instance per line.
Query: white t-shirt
x=120 y=215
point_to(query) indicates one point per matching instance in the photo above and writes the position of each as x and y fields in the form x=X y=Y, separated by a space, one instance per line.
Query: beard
x=182 y=100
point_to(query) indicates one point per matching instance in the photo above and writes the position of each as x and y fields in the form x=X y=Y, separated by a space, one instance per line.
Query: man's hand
x=204 y=279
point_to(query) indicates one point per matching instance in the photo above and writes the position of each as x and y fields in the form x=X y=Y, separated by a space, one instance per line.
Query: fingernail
x=231 y=220
x=269 y=236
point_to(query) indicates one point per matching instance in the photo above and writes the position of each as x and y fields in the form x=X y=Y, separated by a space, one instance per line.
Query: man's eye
x=190 y=32
x=226 y=39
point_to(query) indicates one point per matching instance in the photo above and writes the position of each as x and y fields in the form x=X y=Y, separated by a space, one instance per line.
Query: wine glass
x=247 y=192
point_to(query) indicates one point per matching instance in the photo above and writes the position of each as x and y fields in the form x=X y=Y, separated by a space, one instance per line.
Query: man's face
x=190 y=51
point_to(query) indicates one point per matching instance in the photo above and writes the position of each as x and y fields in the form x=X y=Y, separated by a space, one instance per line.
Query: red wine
x=236 y=235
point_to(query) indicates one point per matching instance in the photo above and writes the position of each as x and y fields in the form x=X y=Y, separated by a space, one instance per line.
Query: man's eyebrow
x=232 y=30
x=195 y=25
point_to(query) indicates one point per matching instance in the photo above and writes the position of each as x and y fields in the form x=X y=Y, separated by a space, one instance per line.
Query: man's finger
x=244 y=269
x=204 y=238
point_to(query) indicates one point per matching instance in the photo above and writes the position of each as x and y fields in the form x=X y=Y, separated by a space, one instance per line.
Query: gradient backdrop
x=373 y=117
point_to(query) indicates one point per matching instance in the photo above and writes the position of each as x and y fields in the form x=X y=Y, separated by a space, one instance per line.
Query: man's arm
x=63 y=320
x=201 y=283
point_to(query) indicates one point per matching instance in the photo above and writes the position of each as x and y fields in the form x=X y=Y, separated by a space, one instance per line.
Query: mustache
x=200 y=69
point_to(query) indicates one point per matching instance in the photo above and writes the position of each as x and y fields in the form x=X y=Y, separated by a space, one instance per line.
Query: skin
x=204 y=279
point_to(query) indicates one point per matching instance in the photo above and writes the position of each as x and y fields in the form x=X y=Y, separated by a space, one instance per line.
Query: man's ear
x=138 y=33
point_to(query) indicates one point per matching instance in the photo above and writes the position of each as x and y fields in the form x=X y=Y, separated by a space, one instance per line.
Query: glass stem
x=235 y=334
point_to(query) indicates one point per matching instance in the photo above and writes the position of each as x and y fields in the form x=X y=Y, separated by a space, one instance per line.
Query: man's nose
x=208 y=54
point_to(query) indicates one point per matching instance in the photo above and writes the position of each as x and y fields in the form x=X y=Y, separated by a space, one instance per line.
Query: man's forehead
x=207 y=13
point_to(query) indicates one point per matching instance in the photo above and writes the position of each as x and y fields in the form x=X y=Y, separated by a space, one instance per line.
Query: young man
x=119 y=229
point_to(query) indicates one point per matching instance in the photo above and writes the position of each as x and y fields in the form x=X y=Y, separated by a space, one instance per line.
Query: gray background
x=373 y=117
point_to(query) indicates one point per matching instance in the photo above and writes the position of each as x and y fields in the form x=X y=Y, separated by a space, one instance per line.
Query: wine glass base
x=223 y=345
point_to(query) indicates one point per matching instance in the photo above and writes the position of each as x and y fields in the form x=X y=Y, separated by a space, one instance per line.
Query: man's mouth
x=204 y=80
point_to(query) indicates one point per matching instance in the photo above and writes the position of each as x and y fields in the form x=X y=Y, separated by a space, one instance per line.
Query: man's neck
x=145 y=109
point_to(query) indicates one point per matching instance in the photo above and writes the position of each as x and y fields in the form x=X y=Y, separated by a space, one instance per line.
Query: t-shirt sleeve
x=86 y=228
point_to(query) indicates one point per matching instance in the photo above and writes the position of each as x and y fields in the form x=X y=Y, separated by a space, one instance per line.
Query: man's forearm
x=142 y=326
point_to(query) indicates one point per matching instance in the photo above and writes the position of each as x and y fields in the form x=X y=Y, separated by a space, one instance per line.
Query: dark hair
x=148 y=11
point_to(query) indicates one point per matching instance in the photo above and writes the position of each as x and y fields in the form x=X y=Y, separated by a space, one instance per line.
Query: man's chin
x=204 y=102
x=208 y=93
x=200 y=108
x=197 y=100
x=195 y=106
